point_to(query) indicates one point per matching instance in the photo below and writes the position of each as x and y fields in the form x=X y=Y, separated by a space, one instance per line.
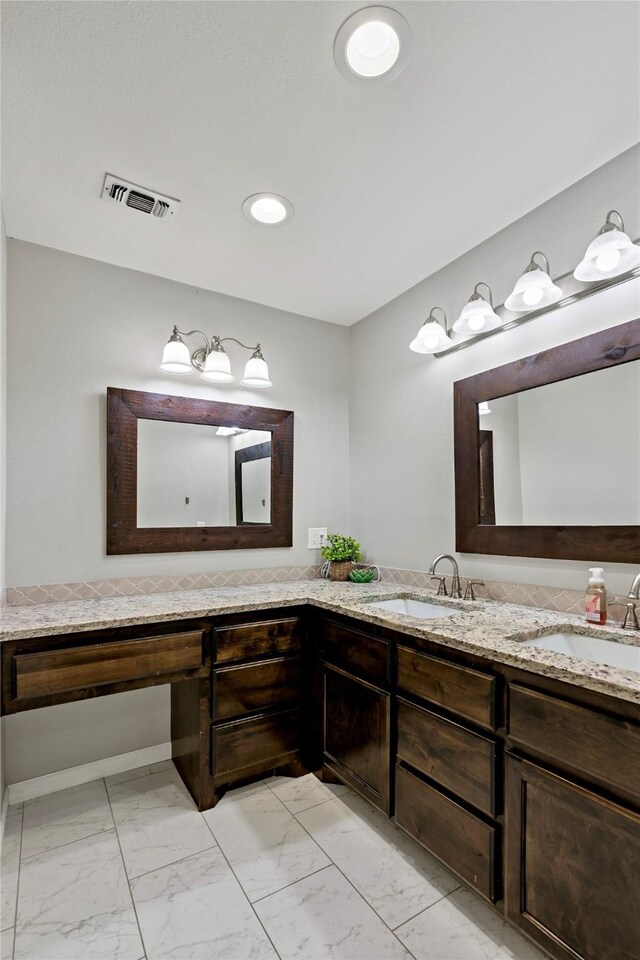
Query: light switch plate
x=317 y=537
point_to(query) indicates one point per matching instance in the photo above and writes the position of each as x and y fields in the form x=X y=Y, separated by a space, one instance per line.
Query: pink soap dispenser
x=595 y=603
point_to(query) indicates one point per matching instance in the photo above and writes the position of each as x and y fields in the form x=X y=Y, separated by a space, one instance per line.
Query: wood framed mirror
x=172 y=475
x=559 y=476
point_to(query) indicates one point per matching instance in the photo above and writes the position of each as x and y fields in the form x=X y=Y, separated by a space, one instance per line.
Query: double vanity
x=511 y=758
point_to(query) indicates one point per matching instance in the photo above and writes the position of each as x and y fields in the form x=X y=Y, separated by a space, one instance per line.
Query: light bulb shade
x=256 y=373
x=217 y=367
x=430 y=338
x=483 y=408
x=176 y=358
x=609 y=255
x=477 y=316
x=535 y=289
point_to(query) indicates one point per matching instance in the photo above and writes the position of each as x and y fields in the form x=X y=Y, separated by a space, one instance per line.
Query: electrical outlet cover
x=317 y=537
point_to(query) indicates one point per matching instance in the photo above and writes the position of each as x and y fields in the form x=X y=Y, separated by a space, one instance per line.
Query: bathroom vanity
x=517 y=767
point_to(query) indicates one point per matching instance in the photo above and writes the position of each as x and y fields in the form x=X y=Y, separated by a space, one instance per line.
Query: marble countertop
x=482 y=627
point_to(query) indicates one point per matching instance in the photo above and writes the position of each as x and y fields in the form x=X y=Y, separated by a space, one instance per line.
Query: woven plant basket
x=340 y=569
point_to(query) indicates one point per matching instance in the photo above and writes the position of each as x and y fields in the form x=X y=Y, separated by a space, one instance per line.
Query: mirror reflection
x=195 y=475
x=565 y=454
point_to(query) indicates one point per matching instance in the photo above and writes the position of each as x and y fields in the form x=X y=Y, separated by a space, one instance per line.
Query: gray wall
x=3 y=447
x=77 y=326
x=400 y=406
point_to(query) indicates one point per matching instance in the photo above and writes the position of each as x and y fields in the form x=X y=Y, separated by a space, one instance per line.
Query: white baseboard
x=73 y=776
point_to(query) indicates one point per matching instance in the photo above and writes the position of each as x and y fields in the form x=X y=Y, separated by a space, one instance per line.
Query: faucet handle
x=469 y=592
x=442 y=586
x=630 y=621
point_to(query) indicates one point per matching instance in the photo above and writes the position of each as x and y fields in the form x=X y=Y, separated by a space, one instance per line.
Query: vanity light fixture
x=535 y=288
x=477 y=314
x=212 y=361
x=432 y=337
x=267 y=209
x=229 y=431
x=483 y=408
x=372 y=44
x=611 y=253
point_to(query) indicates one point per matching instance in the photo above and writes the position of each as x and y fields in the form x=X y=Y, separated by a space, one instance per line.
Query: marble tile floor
x=127 y=869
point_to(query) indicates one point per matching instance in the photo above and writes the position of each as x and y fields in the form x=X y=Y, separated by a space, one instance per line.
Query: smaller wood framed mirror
x=190 y=474
x=547 y=453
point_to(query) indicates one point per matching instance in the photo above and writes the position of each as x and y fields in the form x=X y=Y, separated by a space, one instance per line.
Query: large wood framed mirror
x=191 y=474
x=547 y=453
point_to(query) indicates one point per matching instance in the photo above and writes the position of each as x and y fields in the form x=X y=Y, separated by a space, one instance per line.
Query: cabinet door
x=572 y=866
x=356 y=734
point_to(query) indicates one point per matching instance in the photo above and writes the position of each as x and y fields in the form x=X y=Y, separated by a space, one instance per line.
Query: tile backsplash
x=524 y=594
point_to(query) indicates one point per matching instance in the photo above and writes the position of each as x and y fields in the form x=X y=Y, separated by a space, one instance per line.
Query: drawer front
x=244 y=640
x=602 y=747
x=71 y=668
x=470 y=693
x=460 y=840
x=249 y=746
x=461 y=761
x=255 y=686
x=357 y=652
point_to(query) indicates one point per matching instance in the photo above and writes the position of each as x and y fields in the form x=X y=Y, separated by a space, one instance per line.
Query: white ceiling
x=502 y=105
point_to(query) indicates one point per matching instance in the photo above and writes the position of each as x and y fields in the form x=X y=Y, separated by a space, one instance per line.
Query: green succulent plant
x=361 y=576
x=340 y=548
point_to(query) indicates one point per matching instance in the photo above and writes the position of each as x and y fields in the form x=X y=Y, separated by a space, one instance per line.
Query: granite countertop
x=483 y=627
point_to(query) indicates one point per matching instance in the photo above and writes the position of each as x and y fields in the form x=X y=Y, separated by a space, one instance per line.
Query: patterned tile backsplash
x=524 y=594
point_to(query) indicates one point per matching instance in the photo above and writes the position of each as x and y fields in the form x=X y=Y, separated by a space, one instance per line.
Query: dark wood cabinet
x=355 y=733
x=572 y=866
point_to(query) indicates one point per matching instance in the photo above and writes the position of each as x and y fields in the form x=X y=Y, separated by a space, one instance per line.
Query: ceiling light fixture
x=611 y=252
x=431 y=337
x=477 y=315
x=535 y=288
x=267 y=209
x=212 y=361
x=373 y=44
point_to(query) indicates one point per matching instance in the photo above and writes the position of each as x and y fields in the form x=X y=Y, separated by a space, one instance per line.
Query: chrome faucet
x=630 y=621
x=456 y=589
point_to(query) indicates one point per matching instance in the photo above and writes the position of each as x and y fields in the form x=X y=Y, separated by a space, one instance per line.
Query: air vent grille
x=139 y=198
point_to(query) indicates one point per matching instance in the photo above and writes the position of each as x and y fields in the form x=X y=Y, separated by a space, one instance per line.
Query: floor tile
x=138 y=772
x=264 y=843
x=301 y=793
x=75 y=904
x=323 y=917
x=463 y=927
x=6 y=944
x=10 y=864
x=392 y=873
x=157 y=821
x=196 y=909
x=65 y=816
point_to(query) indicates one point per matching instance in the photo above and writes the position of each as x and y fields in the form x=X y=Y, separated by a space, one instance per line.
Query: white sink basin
x=423 y=609
x=609 y=652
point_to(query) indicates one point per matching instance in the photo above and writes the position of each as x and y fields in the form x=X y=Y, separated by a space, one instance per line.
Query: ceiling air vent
x=139 y=198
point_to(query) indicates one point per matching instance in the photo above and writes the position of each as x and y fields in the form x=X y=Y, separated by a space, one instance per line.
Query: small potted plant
x=341 y=552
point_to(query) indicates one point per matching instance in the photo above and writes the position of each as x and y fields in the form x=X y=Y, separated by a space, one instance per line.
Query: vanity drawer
x=255 y=686
x=250 y=746
x=248 y=640
x=71 y=668
x=463 y=762
x=462 y=690
x=605 y=748
x=358 y=653
x=463 y=842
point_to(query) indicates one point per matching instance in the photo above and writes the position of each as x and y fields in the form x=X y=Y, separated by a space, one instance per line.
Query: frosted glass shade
x=430 y=338
x=483 y=408
x=256 y=373
x=477 y=317
x=534 y=289
x=217 y=367
x=176 y=358
x=609 y=255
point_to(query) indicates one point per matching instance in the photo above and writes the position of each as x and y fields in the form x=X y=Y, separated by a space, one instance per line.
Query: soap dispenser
x=595 y=604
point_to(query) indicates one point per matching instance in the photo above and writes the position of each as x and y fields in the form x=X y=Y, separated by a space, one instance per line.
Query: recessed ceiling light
x=373 y=44
x=267 y=209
